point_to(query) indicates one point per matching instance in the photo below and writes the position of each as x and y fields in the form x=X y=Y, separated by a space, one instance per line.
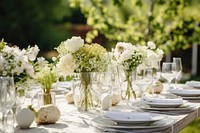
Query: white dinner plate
x=185 y=92
x=102 y=122
x=133 y=117
x=184 y=107
x=163 y=103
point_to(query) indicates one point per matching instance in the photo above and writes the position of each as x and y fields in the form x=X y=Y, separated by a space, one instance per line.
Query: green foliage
x=166 y=22
x=25 y=22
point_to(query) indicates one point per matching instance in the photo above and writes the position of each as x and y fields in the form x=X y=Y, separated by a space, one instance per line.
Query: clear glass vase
x=82 y=95
x=46 y=98
x=127 y=85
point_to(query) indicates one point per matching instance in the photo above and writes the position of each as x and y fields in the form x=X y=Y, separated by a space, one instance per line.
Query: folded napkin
x=115 y=115
x=163 y=100
x=193 y=83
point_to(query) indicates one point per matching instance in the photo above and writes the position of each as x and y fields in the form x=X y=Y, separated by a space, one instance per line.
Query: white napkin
x=193 y=83
x=115 y=115
x=162 y=100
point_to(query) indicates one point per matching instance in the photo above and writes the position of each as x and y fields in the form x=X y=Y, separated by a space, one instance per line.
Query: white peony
x=66 y=65
x=73 y=44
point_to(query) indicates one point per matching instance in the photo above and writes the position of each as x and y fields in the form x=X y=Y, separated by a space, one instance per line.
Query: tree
x=166 y=22
x=29 y=22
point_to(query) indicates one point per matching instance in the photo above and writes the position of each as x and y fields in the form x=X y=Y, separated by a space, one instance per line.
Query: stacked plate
x=188 y=93
x=132 y=120
x=162 y=102
x=166 y=105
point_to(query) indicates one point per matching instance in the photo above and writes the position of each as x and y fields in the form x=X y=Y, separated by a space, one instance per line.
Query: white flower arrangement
x=75 y=57
x=129 y=56
x=18 y=63
x=153 y=55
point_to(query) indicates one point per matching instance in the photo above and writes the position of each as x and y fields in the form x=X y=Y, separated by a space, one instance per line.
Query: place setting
x=186 y=92
x=166 y=104
x=133 y=121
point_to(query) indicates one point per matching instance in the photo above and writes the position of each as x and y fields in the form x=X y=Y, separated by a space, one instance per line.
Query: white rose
x=73 y=44
x=66 y=65
x=151 y=45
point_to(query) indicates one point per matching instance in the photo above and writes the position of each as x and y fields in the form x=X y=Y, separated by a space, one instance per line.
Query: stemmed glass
x=113 y=70
x=101 y=89
x=19 y=100
x=178 y=70
x=156 y=74
x=7 y=98
x=143 y=79
x=168 y=71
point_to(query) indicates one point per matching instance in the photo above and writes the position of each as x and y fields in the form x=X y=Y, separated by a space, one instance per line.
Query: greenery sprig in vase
x=46 y=77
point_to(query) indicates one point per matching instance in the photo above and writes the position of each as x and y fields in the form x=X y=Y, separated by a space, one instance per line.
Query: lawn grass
x=193 y=127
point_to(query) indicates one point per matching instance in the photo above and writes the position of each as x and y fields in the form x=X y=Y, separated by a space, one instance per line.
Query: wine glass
x=115 y=81
x=178 y=70
x=101 y=89
x=169 y=71
x=156 y=74
x=7 y=98
x=143 y=79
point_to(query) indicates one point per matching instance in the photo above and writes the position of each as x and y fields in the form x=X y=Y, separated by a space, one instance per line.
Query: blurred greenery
x=171 y=24
x=41 y=22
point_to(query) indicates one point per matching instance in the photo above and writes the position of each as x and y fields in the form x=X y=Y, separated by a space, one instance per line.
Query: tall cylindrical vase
x=82 y=92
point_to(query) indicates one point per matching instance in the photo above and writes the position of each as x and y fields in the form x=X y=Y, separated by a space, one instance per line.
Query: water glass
x=143 y=79
x=101 y=89
x=7 y=99
x=179 y=68
x=169 y=71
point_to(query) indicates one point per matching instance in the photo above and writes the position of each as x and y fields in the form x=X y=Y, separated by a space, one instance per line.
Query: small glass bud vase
x=46 y=98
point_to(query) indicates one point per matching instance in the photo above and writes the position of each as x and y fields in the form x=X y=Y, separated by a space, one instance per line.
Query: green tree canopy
x=171 y=24
x=29 y=22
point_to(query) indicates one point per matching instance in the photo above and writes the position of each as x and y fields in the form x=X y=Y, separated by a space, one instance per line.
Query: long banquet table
x=74 y=121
